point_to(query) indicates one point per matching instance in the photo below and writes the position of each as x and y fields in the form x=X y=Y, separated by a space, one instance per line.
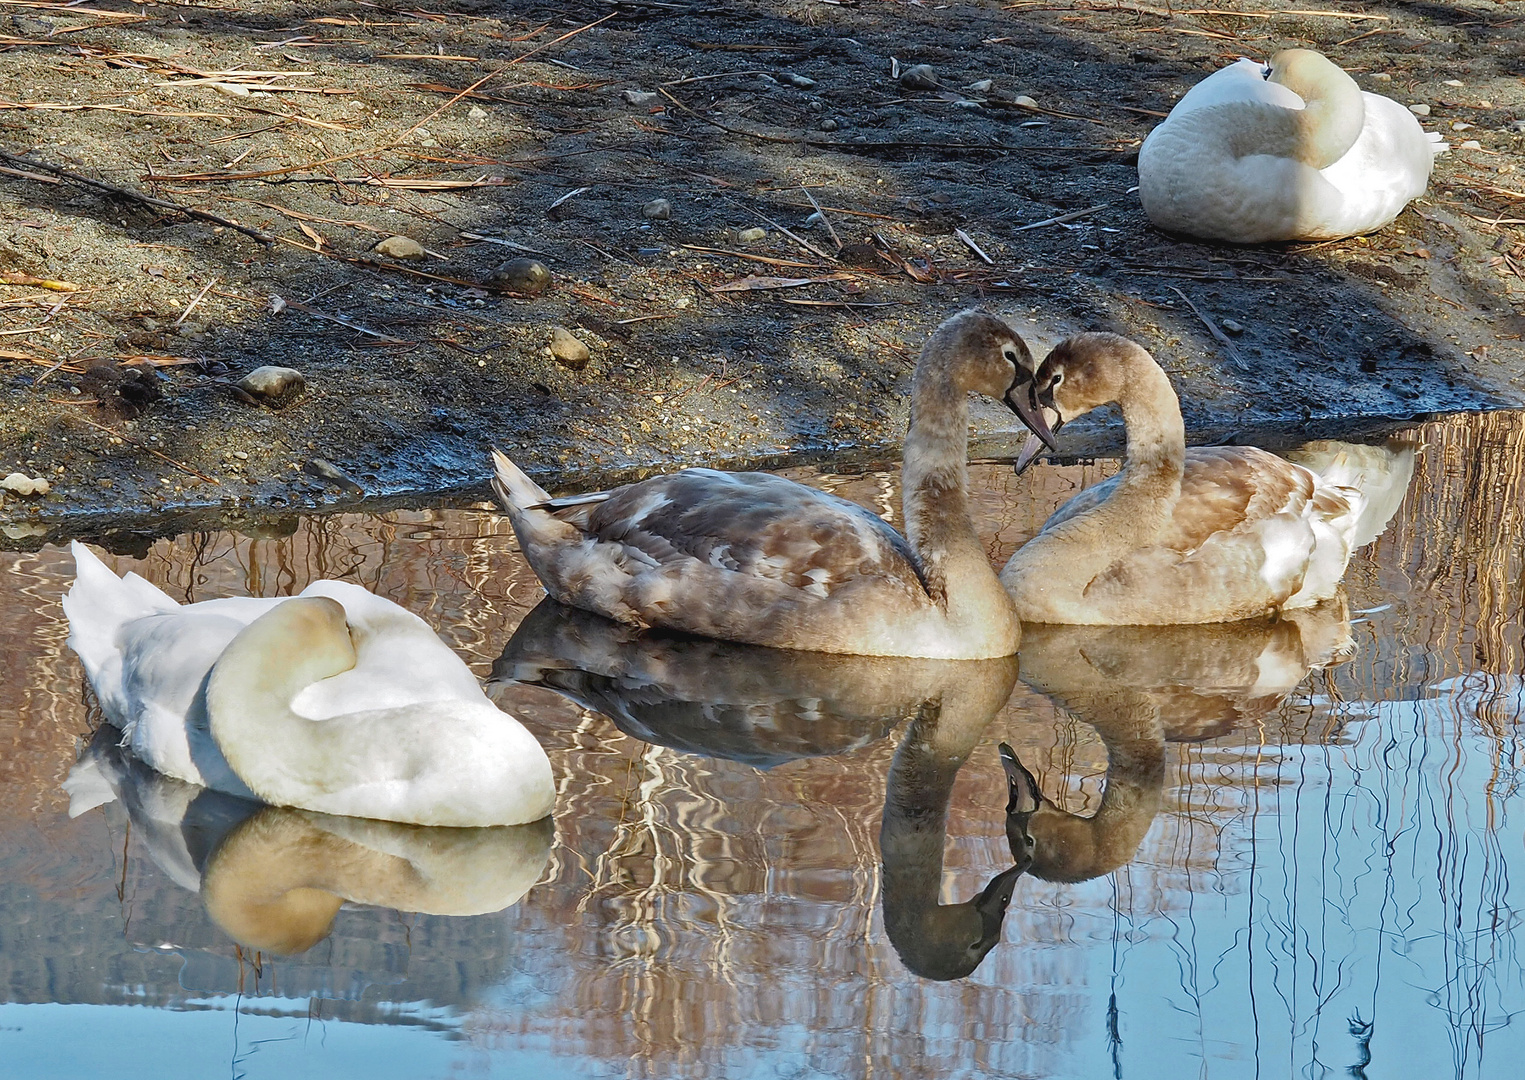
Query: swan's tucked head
x=980 y=354
x=1306 y=73
x=1334 y=113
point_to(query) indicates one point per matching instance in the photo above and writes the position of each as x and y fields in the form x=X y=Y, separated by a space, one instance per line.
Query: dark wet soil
x=122 y=392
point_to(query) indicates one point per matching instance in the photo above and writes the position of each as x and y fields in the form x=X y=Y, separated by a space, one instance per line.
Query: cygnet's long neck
x=935 y=499
x=1073 y=848
x=1149 y=487
x=938 y=941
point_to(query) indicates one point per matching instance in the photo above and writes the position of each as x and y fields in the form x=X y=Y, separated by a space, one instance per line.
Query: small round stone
x=920 y=77
x=750 y=236
x=272 y=384
x=568 y=349
x=400 y=247
x=657 y=210
x=22 y=484
x=528 y=277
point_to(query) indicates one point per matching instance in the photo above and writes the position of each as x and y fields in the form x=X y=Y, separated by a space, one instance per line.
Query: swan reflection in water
x=1139 y=687
x=764 y=706
x=746 y=703
x=273 y=878
x=1143 y=686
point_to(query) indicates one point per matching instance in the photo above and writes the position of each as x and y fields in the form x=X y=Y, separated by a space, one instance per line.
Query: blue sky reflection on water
x=1327 y=886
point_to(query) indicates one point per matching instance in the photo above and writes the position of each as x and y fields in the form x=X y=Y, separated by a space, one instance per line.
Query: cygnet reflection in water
x=746 y=703
x=273 y=878
x=1141 y=686
x=767 y=706
x=947 y=941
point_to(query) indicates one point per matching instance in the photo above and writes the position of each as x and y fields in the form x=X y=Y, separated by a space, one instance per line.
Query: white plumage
x=1295 y=151
x=274 y=877
x=337 y=701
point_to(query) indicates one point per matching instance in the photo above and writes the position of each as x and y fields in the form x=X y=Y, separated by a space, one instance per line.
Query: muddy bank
x=335 y=127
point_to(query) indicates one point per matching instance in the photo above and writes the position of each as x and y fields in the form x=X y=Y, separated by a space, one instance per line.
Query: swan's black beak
x=994 y=899
x=1022 y=802
x=1035 y=444
x=1020 y=400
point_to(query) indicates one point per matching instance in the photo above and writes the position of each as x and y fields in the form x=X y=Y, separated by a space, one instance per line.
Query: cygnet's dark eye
x=1010 y=354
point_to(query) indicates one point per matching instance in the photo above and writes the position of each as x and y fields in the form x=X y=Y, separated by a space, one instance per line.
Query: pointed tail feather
x=514 y=489
x=98 y=604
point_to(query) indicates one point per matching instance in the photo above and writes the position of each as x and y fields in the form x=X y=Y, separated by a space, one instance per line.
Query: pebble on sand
x=22 y=484
x=400 y=247
x=568 y=349
x=273 y=385
x=657 y=210
x=751 y=236
x=527 y=277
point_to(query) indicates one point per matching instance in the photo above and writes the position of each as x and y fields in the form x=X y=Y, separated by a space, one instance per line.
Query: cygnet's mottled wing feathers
x=757 y=524
x=1223 y=487
x=1245 y=531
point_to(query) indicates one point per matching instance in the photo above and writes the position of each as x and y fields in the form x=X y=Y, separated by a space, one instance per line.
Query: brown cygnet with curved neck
x=1213 y=534
x=756 y=558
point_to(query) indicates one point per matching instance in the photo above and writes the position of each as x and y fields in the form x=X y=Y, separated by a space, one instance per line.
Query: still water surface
x=1272 y=851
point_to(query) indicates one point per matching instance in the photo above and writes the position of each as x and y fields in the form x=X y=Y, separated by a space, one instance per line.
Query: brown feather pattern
x=755 y=524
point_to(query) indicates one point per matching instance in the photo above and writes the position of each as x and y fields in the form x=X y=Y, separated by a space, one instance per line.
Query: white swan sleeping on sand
x=1290 y=151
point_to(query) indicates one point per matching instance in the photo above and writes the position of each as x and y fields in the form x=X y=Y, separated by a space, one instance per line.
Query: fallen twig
x=835 y=239
x=16 y=277
x=716 y=123
x=500 y=240
x=756 y=284
x=750 y=257
x=39 y=177
x=182 y=466
x=189 y=307
x=969 y=240
x=280 y=303
x=1218 y=335
x=135 y=196
x=801 y=241
x=1062 y=218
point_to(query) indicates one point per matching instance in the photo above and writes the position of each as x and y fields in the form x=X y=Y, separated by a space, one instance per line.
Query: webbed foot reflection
x=273 y=878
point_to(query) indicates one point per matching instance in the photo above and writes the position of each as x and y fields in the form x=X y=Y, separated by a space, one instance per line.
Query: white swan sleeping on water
x=1290 y=151
x=336 y=701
